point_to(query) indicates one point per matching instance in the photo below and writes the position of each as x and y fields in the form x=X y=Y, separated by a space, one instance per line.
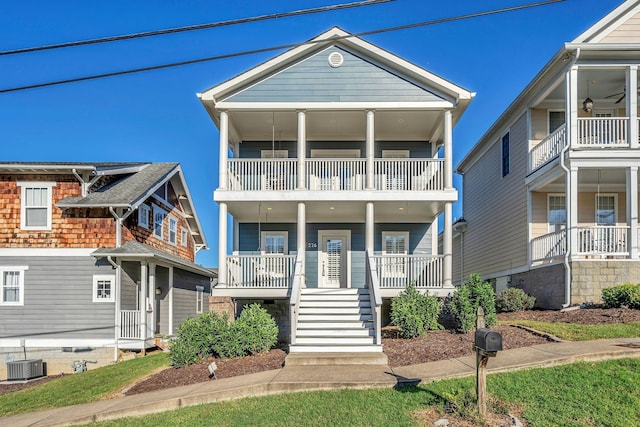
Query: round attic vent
x=335 y=59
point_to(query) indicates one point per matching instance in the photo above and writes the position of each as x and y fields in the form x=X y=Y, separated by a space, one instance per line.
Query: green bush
x=465 y=301
x=196 y=338
x=256 y=328
x=514 y=299
x=627 y=295
x=415 y=313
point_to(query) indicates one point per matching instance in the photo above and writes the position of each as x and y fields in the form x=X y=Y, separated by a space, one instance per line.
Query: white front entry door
x=333 y=259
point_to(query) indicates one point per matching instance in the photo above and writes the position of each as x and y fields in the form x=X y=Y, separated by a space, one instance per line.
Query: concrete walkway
x=313 y=377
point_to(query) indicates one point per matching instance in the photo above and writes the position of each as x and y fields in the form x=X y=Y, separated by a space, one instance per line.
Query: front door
x=332 y=259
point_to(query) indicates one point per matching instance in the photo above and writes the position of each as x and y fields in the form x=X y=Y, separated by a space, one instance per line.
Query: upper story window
x=184 y=237
x=505 y=155
x=556 y=120
x=606 y=209
x=35 y=205
x=173 y=230
x=103 y=288
x=557 y=212
x=143 y=216
x=199 y=299
x=163 y=191
x=158 y=220
x=12 y=285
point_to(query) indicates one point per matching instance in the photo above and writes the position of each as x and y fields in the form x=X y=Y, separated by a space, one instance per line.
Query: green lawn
x=582 y=394
x=577 y=332
x=81 y=388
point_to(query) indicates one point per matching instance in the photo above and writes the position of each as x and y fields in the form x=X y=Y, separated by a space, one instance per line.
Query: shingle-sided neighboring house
x=95 y=256
x=335 y=163
x=550 y=192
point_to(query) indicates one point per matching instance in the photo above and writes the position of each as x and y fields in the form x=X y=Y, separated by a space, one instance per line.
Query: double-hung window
x=395 y=243
x=184 y=237
x=173 y=230
x=143 y=216
x=12 y=285
x=557 y=212
x=158 y=221
x=103 y=288
x=273 y=243
x=606 y=209
x=35 y=205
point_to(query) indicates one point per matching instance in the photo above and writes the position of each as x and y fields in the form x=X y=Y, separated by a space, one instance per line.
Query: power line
x=330 y=8
x=281 y=47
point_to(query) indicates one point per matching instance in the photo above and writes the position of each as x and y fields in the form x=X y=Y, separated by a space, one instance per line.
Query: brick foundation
x=222 y=305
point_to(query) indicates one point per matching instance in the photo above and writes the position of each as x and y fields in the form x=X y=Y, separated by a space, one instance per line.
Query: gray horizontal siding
x=58 y=300
x=184 y=295
x=313 y=80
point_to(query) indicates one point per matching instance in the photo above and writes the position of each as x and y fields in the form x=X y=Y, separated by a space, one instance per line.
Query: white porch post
x=170 y=302
x=224 y=150
x=144 y=284
x=632 y=105
x=447 y=245
x=572 y=211
x=369 y=227
x=632 y=210
x=222 y=246
x=151 y=296
x=302 y=149
x=571 y=105
x=448 y=154
x=301 y=235
x=370 y=149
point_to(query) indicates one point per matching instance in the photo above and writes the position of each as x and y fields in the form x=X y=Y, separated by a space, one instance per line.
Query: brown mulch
x=436 y=345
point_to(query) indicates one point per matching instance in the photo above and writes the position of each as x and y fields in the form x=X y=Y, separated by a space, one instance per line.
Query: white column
x=144 y=285
x=572 y=211
x=302 y=148
x=170 y=300
x=224 y=149
x=632 y=105
x=448 y=152
x=301 y=235
x=571 y=105
x=447 y=245
x=370 y=149
x=369 y=228
x=632 y=210
x=222 y=246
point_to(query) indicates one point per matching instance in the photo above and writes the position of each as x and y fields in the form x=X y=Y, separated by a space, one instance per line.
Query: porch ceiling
x=590 y=180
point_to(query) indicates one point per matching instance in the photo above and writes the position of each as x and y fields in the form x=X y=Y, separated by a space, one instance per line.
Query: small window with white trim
x=274 y=243
x=505 y=155
x=184 y=237
x=173 y=230
x=395 y=247
x=104 y=287
x=556 y=212
x=35 y=205
x=606 y=209
x=556 y=120
x=143 y=216
x=199 y=299
x=12 y=285
x=158 y=221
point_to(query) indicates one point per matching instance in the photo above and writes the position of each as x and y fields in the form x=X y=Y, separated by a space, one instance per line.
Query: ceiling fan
x=622 y=95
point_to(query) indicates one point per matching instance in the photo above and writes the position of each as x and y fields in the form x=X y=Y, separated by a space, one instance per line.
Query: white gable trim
x=609 y=23
x=335 y=106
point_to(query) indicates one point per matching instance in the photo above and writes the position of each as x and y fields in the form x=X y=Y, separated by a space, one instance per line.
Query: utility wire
x=196 y=27
x=285 y=46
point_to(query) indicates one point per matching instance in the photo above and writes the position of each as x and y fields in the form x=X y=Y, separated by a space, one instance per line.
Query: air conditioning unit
x=24 y=369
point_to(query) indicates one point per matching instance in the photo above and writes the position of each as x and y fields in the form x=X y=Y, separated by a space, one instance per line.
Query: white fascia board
x=337 y=196
x=603 y=27
x=192 y=209
x=46 y=252
x=335 y=106
x=607 y=47
x=604 y=158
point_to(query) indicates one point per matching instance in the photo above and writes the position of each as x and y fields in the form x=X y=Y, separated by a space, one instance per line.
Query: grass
x=582 y=394
x=577 y=332
x=80 y=388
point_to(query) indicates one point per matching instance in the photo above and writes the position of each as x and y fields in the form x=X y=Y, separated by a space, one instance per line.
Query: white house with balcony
x=335 y=162
x=551 y=190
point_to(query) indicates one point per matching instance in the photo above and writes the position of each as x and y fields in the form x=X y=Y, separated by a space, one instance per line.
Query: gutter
x=116 y=310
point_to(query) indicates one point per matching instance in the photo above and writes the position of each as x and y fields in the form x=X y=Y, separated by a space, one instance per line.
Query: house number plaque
x=312 y=245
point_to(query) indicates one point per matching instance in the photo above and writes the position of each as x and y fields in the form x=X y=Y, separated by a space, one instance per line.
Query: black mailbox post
x=488 y=341
x=486 y=344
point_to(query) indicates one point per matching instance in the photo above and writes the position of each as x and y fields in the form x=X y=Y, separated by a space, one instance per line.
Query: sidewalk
x=313 y=377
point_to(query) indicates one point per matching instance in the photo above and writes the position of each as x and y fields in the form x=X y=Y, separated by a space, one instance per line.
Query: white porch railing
x=549 y=246
x=260 y=271
x=548 y=149
x=262 y=174
x=603 y=240
x=130 y=324
x=336 y=174
x=373 y=285
x=409 y=174
x=602 y=131
x=395 y=271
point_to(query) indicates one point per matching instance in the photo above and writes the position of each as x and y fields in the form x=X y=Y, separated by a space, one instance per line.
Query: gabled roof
x=598 y=31
x=133 y=250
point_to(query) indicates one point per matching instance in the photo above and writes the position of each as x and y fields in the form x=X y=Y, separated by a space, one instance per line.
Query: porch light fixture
x=587 y=105
x=158 y=291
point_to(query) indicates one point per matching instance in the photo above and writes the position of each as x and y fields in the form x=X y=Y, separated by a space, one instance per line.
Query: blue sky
x=156 y=116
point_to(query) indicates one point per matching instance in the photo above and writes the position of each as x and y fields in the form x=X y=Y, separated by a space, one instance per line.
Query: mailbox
x=488 y=340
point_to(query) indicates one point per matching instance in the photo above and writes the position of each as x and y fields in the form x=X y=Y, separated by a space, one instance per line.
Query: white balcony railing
x=336 y=174
x=549 y=246
x=409 y=174
x=548 y=149
x=602 y=131
x=130 y=324
x=602 y=240
x=260 y=271
x=395 y=271
x=262 y=174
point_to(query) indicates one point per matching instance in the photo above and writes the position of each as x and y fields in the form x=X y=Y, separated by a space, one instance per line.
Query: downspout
x=567 y=253
x=117 y=308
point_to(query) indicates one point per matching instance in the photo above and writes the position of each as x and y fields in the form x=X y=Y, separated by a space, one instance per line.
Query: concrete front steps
x=335 y=327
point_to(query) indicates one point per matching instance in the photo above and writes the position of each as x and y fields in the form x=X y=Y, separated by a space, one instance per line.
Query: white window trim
x=184 y=237
x=553 y=110
x=143 y=213
x=21 y=270
x=395 y=154
x=175 y=231
x=102 y=277
x=405 y=234
x=199 y=299
x=549 y=195
x=615 y=209
x=263 y=239
x=158 y=209
x=23 y=209
x=274 y=154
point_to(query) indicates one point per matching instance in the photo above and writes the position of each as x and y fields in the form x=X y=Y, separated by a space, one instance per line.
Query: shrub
x=627 y=295
x=256 y=328
x=415 y=313
x=514 y=299
x=465 y=301
x=196 y=338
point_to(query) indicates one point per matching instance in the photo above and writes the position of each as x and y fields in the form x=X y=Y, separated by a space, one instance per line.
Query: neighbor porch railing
x=130 y=324
x=602 y=240
x=395 y=271
x=602 y=131
x=549 y=246
x=548 y=149
x=373 y=285
x=260 y=271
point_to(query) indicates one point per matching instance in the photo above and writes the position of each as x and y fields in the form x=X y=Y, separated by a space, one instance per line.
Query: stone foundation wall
x=278 y=309
x=544 y=283
x=590 y=277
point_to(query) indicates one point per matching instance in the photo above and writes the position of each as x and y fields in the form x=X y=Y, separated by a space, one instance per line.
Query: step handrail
x=294 y=299
x=373 y=284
